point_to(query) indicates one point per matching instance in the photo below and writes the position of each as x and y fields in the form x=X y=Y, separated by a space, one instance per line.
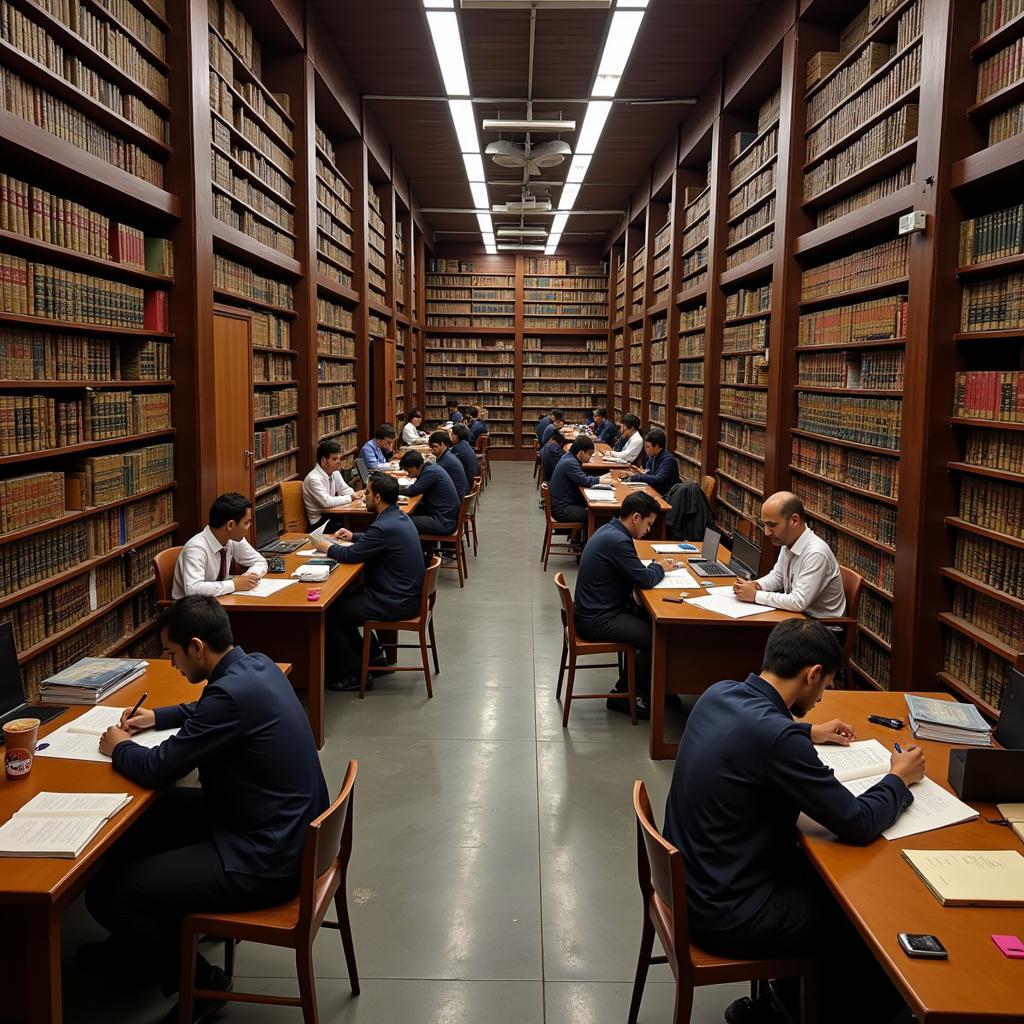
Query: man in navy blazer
x=542 y=422
x=557 y=423
x=551 y=454
x=233 y=844
x=567 y=478
x=661 y=471
x=605 y=430
x=438 y=512
x=440 y=445
x=392 y=580
x=462 y=450
x=477 y=426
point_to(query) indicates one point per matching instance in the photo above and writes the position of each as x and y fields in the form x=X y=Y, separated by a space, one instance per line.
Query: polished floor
x=494 y=873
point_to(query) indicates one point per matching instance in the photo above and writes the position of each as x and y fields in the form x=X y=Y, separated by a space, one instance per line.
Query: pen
x=138 y=704
x=899 y=749
x=892 y=723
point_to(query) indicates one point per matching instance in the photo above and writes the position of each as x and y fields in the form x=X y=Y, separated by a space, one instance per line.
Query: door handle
x=248 y=454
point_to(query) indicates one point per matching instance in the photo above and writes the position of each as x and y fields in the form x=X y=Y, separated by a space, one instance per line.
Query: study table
x=599 y=512
x=287 y=626
x=34 y=891
x=692 y=648
x=882 y=895
x=356 y=516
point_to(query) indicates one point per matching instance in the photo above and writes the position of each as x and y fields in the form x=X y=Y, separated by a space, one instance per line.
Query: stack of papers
x=79 y=740
x=971 y=878
x=671 y=549
x=602 y=494
x=89 y=680
x=722 y=602
x=265 y=588
x=58 y=824
x=677 y=579
x=948 y=721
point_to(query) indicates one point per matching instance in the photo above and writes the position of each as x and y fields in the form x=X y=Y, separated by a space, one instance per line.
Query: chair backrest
x=853 y=584
x=293 y=509
x=545 y=494
x=568 y=618
x=430 y=586
x=663 y=885
x=466 y=507
x=709 y=486
x=482 y=443
x=163 y=569
x=326 y=854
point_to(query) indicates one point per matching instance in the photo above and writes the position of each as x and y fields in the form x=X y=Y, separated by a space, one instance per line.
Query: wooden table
x=693 y=648
x=599 y=512
x=356 y=516
x=35 y=890
x=289 y=627
x=882 y=895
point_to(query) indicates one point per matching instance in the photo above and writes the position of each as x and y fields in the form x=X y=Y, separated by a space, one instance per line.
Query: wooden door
x=385 y=372
x=232 y=395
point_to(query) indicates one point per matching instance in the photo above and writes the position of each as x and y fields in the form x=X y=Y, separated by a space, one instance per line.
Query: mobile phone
x=676 y=600
x=927 y=946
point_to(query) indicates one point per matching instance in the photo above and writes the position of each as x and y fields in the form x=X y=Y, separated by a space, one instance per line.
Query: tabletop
x=622 y=491
x=358 y=507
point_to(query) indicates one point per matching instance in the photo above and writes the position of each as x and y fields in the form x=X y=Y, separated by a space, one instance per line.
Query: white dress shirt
x=632 y=448
x=321 y=490
x=806 y=579
x=198 y=566
x=410 y=435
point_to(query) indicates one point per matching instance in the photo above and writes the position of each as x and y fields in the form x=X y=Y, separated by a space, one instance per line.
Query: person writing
x=411 y=433
x=631 y=442
x=557 y=423
x=378 y=450
x=440 y=443
x=806 y=576
x=454 y=414
x=542 y=422
x=476 y=423
x=661 y=471
x=605 y=609
x=438 y=512
x=567 y=478
x=462 y=450
x=551 y=453
x=236 y=842
x=204 y=565
x=324 y=487
x=744 y=772
x=392 y=581
x=604 y=429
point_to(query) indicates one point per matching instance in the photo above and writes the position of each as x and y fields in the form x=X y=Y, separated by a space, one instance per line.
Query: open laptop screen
x=746 y=556
x=364 y=470
x=709 y=549
x=1010 y=730
x=11 y=694
x=266 y=523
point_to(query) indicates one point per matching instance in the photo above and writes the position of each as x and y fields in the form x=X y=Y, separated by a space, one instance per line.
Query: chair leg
x=229 y=957
x=345 y=928
x=364 y=671
x=187 y=974
x=808 y=999
x=472 y=524
x=683 y=1005
x=426 y=663
x=568 y=690
x=561 y=666
x=307 y=983
x=464 y=555
x=460 y=566
x=544 y=543
x=433 y=647
x=631 y=683
x=547 y=547
x=643 y=962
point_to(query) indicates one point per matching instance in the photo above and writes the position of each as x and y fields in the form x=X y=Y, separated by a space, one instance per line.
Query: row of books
x=753 y=190
x=876 y=473
x=872 y=320
x=875 y=614
x=992 y=236
x=753 y=157
x=739 y=499
x=1000 y=70
x=276 y=440
x=866 y=518
x=274 y=472
x=329 y=370
x=255 y=100
x=747 y=405
x=748 y=301
x=697 y=234
x=275 y=402
x=871 y=421
x=692 y=398
x=564 y=295
x=872 y=660
x=997 y=565
x=743 y=436
x=996 y=13
x=997 y=618
x=762 y=244
x=337 y=421
x=996 y=395
x=506 y=281
x=27 y=500
x=996 y=304
x=478 y=308
x=996 y=449
x=225 y=16
x=248 y=224
x=694 y=263
x=226 y=152
x=874 y=370
x=877 y=567
x=1006 y=123
x=866 y=196
x=993 y=504
x=886 y=261
x=767 y=115
x=746 y=470
x=270 y=330
x=333 y=314
x=246 y=191
x=978 y=668
x=694 y=318
x=335 y=393
x=469 y=294
x=744 y=369
x=268 y=368
x=691 y=423
x=760 y=217
x=42 y=356
x=746 y=337
x=241 y=280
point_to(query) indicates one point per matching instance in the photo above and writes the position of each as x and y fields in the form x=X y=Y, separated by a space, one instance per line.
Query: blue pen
x=899 y=749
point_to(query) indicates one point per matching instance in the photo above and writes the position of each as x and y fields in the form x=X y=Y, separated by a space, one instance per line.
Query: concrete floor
x=494 y=874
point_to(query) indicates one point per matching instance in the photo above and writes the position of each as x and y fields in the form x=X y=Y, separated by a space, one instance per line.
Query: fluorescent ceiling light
x=480 y=198
x=484 y=220
x=520 y=248
x=641 y=4
x=474 y=167
x=444 y=32
x=465 y=126
x=619 y=42
x=593 y=125
x=490 y=249
x=497 y=124
x=439 y=4
x=537 y=232
x=578 y=169
x=568 y=197
x=549 y=249
x=558 y=224
x=488 y=238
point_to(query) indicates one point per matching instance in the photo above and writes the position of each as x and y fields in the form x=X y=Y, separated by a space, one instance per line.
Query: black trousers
x=164 y=867
x=432 y=524
x=571 y=514
x=345 y=618
x=627 y=628
x=330 y=524
x=802 y=919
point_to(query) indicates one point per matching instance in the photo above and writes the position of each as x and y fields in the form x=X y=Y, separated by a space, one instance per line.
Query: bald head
x=783 y=518
x=782 y=505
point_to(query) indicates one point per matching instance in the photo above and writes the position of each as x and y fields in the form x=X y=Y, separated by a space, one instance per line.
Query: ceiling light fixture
x=444 y=32
x=474 y=167
x=536 y=232
x=497 y=124
x=520 y=248
x=481 y=200
x=465 y=125
x=568 y=197
x=578 y=169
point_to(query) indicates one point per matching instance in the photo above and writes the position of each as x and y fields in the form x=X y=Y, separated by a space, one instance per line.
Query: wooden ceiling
x=386 y=47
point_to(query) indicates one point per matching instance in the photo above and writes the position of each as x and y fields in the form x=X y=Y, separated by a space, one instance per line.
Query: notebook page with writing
x=933 y=808
x=861 y=759
x=47 y=837
x=73 y=805
x=964 y=878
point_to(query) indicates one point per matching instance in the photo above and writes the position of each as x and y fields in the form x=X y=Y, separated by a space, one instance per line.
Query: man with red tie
x=204 y=565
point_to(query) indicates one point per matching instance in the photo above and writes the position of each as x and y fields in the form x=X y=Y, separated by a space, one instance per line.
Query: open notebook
x=863 y=763
x=58 y=824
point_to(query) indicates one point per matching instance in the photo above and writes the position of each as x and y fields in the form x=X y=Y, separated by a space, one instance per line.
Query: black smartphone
x=927 y=946
x=676 y=600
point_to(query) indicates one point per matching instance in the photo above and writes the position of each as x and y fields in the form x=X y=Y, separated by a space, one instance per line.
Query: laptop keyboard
x=714 y=569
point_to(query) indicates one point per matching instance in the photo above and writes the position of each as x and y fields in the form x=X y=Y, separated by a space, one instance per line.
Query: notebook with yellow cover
x=971 y=878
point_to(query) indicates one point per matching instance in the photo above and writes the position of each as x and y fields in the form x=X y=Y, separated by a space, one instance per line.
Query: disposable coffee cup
x=20 y=738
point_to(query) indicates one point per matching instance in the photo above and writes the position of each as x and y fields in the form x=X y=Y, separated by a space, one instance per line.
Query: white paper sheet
x=266 y=588
x=671 y=549
x=933 y=808
x=47 y=837
x=318 y=532
x=593 y=494
x=861 y=758
x=307 y=552
x=725 y=604
x=84 y=746
x=73 y=805
x=677 y=579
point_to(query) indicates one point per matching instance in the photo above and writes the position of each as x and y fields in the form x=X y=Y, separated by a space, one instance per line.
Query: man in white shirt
x=630 y=444
x=411 y=433
x=204 y=565
x=806 y=576
x=325 y=487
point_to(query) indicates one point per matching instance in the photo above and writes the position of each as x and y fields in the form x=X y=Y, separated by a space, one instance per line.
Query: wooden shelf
x=961 y=578
x=338 y=290
x=58 y=254
x=863 y=292
x=994 y=474
x=757 y=266
x=1014 y=334
x=873 y=683
x=964 y=421
x=733 y=189
x=742 y=387
x=1003 y=538
x=874 y=637
x=870 y=173
x=85 y=446
x=241 y=169
x=990 y=268
x=857 y=535
x=735 y=419
x=86 y=385
x=274 y=458
x=856 y=445
x=248 y=250
x=753 y=488
x=733 y=509
x=751 y=236
x=814 y=389
x=843 y=345
x=963 y=690
x=843 y=486
x=276 y=416
x=999 y=100
x=258 y=214
x=73 y=326
x=857 y=225
x=695 y=291
x=221 y=295
x=1009 y=32
x=253 y=147
x=687 y=458
x=734 y=450
x=994 y=644
x=999 y=164
x=251 y=111
x=275 y=383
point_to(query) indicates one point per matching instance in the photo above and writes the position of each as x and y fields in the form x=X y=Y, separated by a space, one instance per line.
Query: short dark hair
x=631 y=420
x=602 y=411
x=412 y=414
x=453 y=403
x=656 y=436
x=325 y=449
x=640 y=502
x=460 y=430
x=796 y=643
x=582 y=444
x=557 y=414
x=558 y=437
x=198 y=615
x=472 y=410
x=792 y=506
x=384 y=486
x=227 y=507
x=440 y=437
x=384 y=431
x=410 y=460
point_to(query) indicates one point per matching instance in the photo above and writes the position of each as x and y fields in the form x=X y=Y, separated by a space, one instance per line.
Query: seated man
x=542 y=422
x=454 y=415
x=440 y=442
x=204 y=565
x=605 y=609
x=411 y=433
x=567 y=504
x=551 y=454
x=806 y=577
x=661 y=471
x=324 y=487
x=438 y=512
x=378 y=450
x=392 y=580
x=631 y=442
x=236 y=842
x=744 y=772
x=605 y=430
x=557 y=423
x=477 y=426
x=464 y=453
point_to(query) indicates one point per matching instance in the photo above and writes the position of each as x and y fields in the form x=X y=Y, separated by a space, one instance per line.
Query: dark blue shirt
x=550 y=455
x=566 y=480
x=548 y=431
x=375 y=455
x=607 y=432
x=744 y=772
x=541 y=425
x=451 y=464
x=476 y=428
x=457 y=417
x=661 y=472
x=393 y=558
x=440 y=499
x=258 y=767
x=609 y=570
x=469 y=459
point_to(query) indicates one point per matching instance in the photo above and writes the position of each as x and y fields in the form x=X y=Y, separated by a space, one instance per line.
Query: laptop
x=267 y=543
x=746 y=557
x=1010 y=730
x=708 y=564
x=12 y=697
x=363 y=469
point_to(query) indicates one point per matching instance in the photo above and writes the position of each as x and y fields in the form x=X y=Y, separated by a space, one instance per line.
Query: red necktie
x=223 y=575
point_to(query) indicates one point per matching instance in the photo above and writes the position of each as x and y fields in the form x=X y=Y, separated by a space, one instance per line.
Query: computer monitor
x=364 y=470
x=709 y=549
x=11 y=693
x=746 y=556
x=1010 y=730
x=266 y=516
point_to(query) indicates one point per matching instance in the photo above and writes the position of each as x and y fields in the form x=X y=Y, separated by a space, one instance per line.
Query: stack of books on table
x=90 y=680
x=948 y=721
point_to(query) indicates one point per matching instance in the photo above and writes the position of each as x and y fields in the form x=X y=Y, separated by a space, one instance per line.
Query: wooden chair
x=710 y=486
x=292 y=925
x=474 y=505
x=853 y=584
x=163 y=569
x=461 y=564
x=573 y=648
x=483 y=442
x=422 y=624
x=293 y=508
x=663 y=887
x=538 y=473
x=551 y=524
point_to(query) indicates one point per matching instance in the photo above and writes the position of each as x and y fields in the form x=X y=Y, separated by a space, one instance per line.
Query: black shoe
x=382 y=665
x=745 y=1011
x=204 y=1009
x=347 y=684
x=673 y=700
x=643 y=712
